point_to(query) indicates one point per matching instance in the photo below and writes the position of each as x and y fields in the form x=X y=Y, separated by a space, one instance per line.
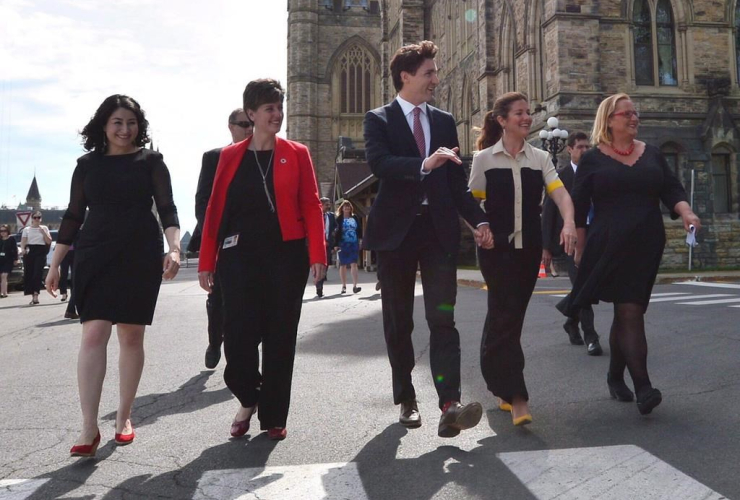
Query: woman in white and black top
x=35 y=241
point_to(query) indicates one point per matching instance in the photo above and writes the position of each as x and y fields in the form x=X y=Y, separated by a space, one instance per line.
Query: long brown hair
x=340 y=210
x=491 y=131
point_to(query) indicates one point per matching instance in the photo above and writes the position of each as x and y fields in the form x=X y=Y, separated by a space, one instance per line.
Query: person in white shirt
x=35 y=242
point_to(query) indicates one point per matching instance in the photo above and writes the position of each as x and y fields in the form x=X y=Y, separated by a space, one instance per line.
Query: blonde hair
x=601 y=133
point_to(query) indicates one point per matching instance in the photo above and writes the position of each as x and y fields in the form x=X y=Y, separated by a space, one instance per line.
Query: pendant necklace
x=264 y=173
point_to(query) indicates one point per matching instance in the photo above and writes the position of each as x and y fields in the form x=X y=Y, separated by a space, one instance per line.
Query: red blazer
x=296 y=196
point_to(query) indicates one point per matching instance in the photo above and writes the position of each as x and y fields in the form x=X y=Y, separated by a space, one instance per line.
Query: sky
x=186 y=62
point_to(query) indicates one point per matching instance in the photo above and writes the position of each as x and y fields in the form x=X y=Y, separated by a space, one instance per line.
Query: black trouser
x=329 y=253
x=586 y=312
x=33 y=267
x=397 y=272
x=214 y=304
x=510 y=277
x=64 y=269
x=262 y=299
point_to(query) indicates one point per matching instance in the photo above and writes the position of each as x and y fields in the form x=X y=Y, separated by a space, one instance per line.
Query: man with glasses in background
x=240 y=128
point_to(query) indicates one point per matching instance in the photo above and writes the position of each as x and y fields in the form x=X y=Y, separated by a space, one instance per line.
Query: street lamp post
x=553 y=140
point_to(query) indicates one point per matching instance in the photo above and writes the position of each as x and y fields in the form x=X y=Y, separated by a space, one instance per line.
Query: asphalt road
x=344 y=442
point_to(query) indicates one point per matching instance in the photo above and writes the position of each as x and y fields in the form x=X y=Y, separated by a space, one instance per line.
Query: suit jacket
x=552 y=222
x=332 y=228
x=395 y=160
x=203 y=194
x=296 y=196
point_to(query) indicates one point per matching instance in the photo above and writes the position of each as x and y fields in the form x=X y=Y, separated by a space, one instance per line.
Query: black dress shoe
x=213 y=356
x=647 y=399
x=356 y=289
x=456 y=417
x=320 y=290
x=619 y=390
x=410 y=416
x=594 y=348
x=574 y=335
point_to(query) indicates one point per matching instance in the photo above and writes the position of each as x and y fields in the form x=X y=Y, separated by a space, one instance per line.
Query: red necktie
x=419 y=133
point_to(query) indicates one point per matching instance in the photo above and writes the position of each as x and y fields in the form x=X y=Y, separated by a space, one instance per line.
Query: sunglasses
x=242 y=124
x=627 y=114
x=37 y=217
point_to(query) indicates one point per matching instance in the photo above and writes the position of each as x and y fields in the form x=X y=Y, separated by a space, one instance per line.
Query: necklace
x=623 y=152
x=264 y=173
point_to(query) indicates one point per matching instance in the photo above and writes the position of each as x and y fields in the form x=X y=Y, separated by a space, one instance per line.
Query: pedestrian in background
x=240 y=127
x=35 y=243
x=510 y=175
x=330 y=226
x=625 y=180
x=347 y=241
x=8 y=258
x=264 y=225
x=552 y=225
x=119 y=255
x=64 y=273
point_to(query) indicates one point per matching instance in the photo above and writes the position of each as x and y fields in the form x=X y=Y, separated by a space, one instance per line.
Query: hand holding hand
x=483 y=237
x=205 y=279
x=440 y=157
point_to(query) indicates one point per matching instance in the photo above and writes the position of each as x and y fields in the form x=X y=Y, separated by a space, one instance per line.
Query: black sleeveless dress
x=118 y=257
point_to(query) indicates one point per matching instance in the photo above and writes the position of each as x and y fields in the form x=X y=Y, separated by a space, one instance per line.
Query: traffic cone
x=542 y=273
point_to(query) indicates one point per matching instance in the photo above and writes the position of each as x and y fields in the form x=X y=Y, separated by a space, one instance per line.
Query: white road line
x=312 y=481
x=709 y=284
x=608 y=472
x=669 y=294
x=559 y=295
x=708 y=296
x=19 y=489
x=709 y=302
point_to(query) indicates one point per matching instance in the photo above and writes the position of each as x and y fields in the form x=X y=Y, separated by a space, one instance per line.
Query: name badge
x=230 y=241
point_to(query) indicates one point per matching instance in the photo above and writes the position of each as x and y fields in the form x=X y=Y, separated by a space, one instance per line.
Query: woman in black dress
x=8 y=258
x=119 y=263
x=626 y=180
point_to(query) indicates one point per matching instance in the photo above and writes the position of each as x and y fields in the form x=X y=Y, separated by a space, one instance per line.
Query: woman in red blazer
x=263 y=227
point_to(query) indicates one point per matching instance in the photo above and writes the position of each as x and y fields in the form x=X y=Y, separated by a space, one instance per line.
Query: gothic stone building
x=678 y=59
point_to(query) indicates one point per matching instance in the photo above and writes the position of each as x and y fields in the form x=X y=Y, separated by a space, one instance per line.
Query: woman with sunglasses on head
x=8 y=258
x=264 y=224
x=625 y=180
x=119 y=255
x=35 y=241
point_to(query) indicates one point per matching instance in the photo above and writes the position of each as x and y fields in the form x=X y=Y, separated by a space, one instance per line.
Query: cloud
x=185 y=62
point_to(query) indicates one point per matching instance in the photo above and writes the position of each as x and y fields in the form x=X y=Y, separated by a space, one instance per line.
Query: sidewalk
x=473 y=277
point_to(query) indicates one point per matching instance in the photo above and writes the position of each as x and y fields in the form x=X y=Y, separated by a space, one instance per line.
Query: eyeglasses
x=36 y=217
x=627 y=114
x=242 y=124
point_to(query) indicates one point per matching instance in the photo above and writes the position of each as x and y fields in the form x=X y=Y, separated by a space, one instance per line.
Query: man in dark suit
x=330 y=225
x=552 y=224
x=412 y=149
x=240 y=128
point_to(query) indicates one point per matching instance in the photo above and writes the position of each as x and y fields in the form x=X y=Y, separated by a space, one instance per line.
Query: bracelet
x=174 y=250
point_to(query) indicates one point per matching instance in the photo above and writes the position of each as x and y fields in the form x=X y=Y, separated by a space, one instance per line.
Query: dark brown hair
x=491 y=132
x=93 y=135
x=408 y=58
x=576 y=136
x=262 y=91
x=4 y=227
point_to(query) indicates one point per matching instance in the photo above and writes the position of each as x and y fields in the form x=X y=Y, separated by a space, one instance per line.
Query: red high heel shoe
x=85 y=450
x=124 y=439
x=277 y=433
x=240 y=427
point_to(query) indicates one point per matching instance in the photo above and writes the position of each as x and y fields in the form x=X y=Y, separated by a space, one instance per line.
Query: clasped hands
x=483 y=236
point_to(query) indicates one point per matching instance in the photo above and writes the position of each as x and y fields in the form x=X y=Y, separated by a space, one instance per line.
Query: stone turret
x=33 y=198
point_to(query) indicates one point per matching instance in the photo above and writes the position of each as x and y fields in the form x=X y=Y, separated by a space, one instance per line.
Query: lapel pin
x=283 y=160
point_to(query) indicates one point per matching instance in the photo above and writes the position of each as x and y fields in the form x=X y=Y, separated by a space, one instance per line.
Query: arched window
x=508 y=51
x=721 y=180
x=356 y=81
x=654 y=39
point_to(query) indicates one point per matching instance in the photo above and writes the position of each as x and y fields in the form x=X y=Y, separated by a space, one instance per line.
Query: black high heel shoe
x=647 y=399
x=619 y=390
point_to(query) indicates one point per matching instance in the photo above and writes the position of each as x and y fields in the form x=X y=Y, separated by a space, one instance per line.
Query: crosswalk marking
x=692 y=297
x=710 y=302
x=608 y=472
x=735 y=286
x=669 y=294
x=19 y=489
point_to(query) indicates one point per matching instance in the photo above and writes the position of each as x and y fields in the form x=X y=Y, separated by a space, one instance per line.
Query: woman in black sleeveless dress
x=119 y=262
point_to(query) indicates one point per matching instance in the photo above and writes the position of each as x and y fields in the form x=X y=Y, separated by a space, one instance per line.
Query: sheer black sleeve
x=583 y=186
x=75 y=214
x=163 y=193
x=672 y=191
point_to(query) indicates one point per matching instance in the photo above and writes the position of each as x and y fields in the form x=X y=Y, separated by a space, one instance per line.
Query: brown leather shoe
x=456 y=417
x=410 y=416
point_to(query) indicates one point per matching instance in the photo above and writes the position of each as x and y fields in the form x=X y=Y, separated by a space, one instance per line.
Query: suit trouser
x=33 y=267
x=262 y=299
x=320 y=284
x=397 y=272
x=214 y=311
x=585 y=313
x=64 y=269
x=510 y=276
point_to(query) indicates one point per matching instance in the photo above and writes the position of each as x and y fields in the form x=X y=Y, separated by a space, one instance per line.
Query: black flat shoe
x=574 y=335
x=619 y=390
x=647 y=399
x=594 y=348
x=344 y=289
x=356 y=289
x=213 y=356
